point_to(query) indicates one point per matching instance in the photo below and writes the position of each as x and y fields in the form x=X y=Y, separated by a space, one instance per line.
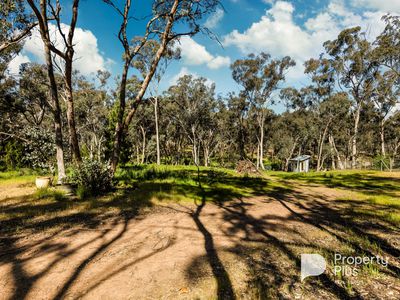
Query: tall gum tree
x=42 y=18
x=260 y=76
x=163 y=27
x=67 y=55
x=351 y=57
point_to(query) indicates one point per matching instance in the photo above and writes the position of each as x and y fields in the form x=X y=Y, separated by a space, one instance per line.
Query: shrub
x=82 y=192
x=92 y=178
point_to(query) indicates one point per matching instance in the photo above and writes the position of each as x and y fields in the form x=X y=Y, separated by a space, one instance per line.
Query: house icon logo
x=312 y=265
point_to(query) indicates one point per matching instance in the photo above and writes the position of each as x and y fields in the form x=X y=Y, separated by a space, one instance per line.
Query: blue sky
x=296 y=28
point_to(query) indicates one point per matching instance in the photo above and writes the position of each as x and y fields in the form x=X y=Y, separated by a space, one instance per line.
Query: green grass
x=44 y=193
x=17 y=176
x=365 y=200
x=372 y=195
x=188 y=183
x=137 y=187
x=372 y=182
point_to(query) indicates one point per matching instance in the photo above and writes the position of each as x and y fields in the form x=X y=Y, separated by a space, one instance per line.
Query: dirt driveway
x=244 y=249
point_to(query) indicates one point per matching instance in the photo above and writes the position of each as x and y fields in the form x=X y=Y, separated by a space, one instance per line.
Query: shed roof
x=300 y=158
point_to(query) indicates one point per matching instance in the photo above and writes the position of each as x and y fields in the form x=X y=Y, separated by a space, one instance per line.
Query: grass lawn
x=371 y=195
x=248 y=223
x=137 y=187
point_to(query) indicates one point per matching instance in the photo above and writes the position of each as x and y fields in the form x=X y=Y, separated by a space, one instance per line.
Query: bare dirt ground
x=246 y=249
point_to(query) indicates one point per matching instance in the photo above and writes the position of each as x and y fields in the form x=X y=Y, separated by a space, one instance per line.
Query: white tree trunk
x=333 y=146
x=157 y=133
x=262 y=144
x=143 y=144
x=382 y=135
x=355 y=136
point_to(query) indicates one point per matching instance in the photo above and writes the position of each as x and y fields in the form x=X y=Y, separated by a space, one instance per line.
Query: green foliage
x=82 y=192
x=23 y=173
x=381 y=162
x=92 y=177
x=12 y=156
x=39 y=152
x=49 y=193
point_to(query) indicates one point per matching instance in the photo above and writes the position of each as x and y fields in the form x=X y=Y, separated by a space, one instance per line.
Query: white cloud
x=195 y=54
x=218 y=62
x=214 y=19
x=275 y=33
x=388 y=6
x=16 y=62
x=278 y=34
x=185 y=71
x=87 y=58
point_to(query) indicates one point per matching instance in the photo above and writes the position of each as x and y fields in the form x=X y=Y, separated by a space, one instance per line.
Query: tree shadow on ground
x=59 y=219
x=273 y=261
x=364 y=182
x=316 y=211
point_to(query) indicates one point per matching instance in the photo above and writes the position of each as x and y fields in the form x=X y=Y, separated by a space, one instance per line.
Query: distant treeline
x=348 y=117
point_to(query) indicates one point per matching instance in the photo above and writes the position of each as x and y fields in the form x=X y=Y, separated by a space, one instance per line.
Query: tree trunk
x=382 y=135
x=157 y=133
x=355 y=136
x=320 y=146
x=206 y=156
x=258 y=155
x=262 y=143
x=137 y=154
x=120 y=127
x=55 y=104
x=143 y=143
x=333 y=145
x=73 y=137
x=57 y=117
x=194 y=153
x=242 y=152
x=290 y=155
x=68 y=58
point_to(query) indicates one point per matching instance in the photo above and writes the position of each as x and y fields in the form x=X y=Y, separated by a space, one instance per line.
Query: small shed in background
x=300 y=163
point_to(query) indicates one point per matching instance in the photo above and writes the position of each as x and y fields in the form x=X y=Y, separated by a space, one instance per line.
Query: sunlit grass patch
x=389 y=217
x=18 y=176
x=188 y=183
x=49 y=193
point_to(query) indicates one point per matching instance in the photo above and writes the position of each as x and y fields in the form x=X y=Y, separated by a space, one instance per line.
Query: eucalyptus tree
x=387 y=51
x=387 y=82
x=43 y=22
x=170 y=20
x=393 y=138
x=335 y=111
x=26 y=123
x=237 y=110
x=386 y=98
x=259 y=77
x=92 y=106
x=142 y=62
x=67 y=56
x=193 y=102
x=351 y=57
x=141 y=132
x=289 y=133
x=317 y=95
x=15 y=25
